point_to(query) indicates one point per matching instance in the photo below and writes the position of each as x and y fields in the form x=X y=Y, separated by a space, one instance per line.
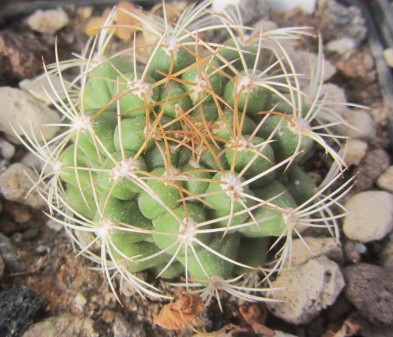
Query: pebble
x=388 y=55
x=370 y=289
x=355 y=150
x=370 y=216
x=41 y=86
x=48 y=21
x=327 y=246
x=62 y=325
x=300 y=303
x=385 y=180
x=27 y=113
x=372 y=166
x=305 y=61
x=307 y=6
x=7 y=150
x=20 y=55
x=15 y=185
x=337 y=20
x=335 y=97
x=283 y=334
x=359 y=124
x=344 y=46
x=9 y=255
x=18 y=308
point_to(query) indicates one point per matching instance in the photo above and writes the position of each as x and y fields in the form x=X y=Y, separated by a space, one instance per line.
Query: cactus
x=189 y=162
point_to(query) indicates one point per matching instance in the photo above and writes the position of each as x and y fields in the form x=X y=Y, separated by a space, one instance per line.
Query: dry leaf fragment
x=253 y=317
x=181 y=313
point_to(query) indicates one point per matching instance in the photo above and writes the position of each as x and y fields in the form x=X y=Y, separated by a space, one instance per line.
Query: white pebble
x=306 y=290
x=307 y=6
x=385 y=180
x=16 y=183
x=20 y=111
x=370 y=216
x=343 y=46
x=7 y=150
x=49 y=21
x=355 y=150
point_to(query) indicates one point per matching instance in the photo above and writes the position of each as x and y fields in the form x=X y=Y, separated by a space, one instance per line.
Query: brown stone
x=370 y=289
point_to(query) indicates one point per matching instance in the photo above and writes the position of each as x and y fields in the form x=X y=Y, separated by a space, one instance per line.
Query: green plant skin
x=264 y=161
x=168 y=223
x=101 y=87
x=223 y=205
x=169 y=194
x=299 y=185
x=231 y=54
x=131 y=105
x=271 y=222
x=164 y=63
x=213 y=265
x=288 y=140
x=252 y=98
x=124 y=188
x=173 y=99
x=252 y=252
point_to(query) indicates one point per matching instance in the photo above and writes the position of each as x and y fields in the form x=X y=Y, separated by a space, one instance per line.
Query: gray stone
x=22 y=111
x=358 y=124
x=63 y=325
x=49 y=21
x=327 y=246
x=370 y=216
x=15 y=185
x=344 y=46
x=370 y=289
x=337 y=20
x=41 y=86
x=301 y=303
x=385 y=180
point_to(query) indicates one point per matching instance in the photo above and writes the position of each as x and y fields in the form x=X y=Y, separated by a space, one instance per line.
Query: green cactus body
x=178 y=164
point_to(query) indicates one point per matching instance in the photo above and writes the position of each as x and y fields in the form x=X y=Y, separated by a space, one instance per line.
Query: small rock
x=370 y=289
x=305 y=62
x=54 y=225
x=283 y=334
x=49 y=21
x=336 y=21
x=42 y=250
x=371 y=330
x=388 y=54
x=370 y=216
x=15 y=185
x=26 y=113
x=307 y=6
x=63 y=325
x=335 y=97
x=7 y=150
x=355 y=150
x=308 y=289
x=327 y=246
x=17 y=310
x=18 y=213
x=343 y=46
x=80 y=302
x=385 y=180
x=42 y=86
x=1 y=267
x=354 y=250
x=122 y=328
x=20 y=54
x=372 y=166
x=359 y=124
x=8 y=253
